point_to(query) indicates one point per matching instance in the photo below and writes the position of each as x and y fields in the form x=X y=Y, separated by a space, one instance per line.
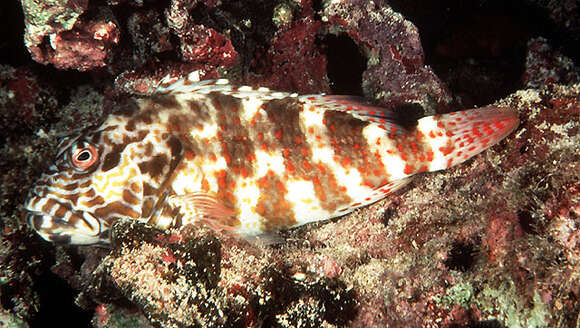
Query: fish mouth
x=76 y=229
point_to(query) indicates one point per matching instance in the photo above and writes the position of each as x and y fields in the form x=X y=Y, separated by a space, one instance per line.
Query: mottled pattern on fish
x=244 y=160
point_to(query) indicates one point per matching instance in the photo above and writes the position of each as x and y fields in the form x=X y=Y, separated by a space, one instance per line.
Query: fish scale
x=243 y=160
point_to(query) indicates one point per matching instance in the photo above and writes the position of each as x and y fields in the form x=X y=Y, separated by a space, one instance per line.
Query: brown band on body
x=351 y=148
x=272 y=204
x=284 y=114
x=237 y=147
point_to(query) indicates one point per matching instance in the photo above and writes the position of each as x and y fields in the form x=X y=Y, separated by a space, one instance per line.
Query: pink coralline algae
x=396 y=71
x=293 y=61
x=545 y=65
x=57 y=34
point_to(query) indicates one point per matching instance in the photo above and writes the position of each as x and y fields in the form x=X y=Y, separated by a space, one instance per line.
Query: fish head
x=98 y=178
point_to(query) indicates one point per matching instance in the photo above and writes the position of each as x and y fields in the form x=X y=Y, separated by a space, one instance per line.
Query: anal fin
x=375 y=195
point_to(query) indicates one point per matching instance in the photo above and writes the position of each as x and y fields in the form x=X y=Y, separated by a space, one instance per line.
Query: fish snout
x=74 y=228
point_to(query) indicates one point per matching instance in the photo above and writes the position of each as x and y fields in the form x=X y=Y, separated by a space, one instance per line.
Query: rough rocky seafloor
x=494 y=242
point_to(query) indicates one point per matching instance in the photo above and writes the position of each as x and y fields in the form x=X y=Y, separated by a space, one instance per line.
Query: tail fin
x=458 y=136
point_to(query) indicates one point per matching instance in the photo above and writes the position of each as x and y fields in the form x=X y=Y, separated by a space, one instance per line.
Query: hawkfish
x=243 y=160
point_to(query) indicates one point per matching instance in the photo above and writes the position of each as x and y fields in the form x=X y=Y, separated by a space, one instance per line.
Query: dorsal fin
x=190 y=84
x=357 y=107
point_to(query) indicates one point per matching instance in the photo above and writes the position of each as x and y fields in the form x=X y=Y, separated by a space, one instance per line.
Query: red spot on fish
x=430 y=156
x=189 y=155
x=368 y=183
x=280 y=186
x=446 y=150
x=298 y=140
x=345 y=161
x=221 y=178
x=289 y=167
x=408 y=169
x=432 y=134
x=476 y=132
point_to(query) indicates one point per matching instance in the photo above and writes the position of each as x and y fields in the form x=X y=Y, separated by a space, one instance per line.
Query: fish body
x=244 y=160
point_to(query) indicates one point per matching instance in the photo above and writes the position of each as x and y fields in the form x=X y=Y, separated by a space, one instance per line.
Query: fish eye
x=85 y=156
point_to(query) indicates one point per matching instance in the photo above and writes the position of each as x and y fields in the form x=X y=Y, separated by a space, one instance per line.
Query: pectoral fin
x=206 y=209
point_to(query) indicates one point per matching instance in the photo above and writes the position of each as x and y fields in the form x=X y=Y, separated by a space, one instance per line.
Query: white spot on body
x=247 y=194
x=307 y=207
x=250 y=107
x=427 y=125
x=394 y=165
x=266 y=160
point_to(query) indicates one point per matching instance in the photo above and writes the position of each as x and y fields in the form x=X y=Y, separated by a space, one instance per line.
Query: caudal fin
x=458 y=136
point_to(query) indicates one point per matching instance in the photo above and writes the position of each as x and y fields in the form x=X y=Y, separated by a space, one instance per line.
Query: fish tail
x=453 y=138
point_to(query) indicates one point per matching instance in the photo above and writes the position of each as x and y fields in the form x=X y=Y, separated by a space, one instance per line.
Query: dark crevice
x=478 y=48
x=57 y=302
x=461 y=257
x=345 y=64
x=527 y=222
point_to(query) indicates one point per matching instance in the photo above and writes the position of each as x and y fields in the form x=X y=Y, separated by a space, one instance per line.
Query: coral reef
x=491 y=243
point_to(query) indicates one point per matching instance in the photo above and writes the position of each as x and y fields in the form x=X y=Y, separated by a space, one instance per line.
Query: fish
x=243 y=160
